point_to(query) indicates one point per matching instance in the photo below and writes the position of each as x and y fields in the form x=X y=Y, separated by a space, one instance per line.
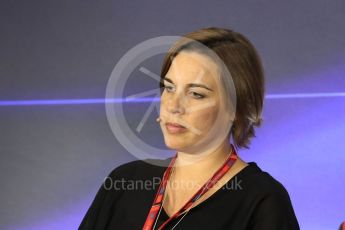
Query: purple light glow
x=77 y=101
x=148 y=99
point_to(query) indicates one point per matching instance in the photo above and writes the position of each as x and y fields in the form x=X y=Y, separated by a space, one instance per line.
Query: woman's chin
x=176 y=145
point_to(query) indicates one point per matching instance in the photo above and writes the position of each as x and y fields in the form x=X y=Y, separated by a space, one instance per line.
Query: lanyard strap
x=157 y=203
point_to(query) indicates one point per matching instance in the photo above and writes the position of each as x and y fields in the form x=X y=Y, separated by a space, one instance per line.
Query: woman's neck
x=201 y=165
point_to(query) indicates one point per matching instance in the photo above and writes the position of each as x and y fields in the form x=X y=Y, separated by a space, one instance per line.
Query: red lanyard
x=157 y=203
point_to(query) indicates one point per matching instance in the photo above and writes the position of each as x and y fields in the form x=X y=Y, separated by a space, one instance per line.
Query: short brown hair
x=244 y=64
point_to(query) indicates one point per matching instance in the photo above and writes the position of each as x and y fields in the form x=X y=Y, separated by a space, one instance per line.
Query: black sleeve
x=274 y=212
x=97 y=216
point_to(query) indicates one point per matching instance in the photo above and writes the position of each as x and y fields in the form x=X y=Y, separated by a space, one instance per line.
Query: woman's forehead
x=192 y=66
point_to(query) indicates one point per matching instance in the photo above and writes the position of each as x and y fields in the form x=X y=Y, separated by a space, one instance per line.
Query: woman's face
x=191 y=102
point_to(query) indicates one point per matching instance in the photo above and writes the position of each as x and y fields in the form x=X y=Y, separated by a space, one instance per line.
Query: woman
x=212 y=91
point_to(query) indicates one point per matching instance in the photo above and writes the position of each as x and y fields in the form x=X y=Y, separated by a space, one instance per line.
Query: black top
x=252 y=199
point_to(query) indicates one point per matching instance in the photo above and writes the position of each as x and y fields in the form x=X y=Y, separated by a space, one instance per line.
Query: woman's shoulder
x=261 y=181
x=270 y=199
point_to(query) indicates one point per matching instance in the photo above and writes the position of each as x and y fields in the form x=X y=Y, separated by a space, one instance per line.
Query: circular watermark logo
x=115 y=99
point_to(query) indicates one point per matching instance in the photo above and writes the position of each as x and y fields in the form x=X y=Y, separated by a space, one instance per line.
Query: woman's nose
x=176 y=104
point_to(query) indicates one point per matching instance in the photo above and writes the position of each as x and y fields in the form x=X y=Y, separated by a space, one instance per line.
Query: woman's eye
x=197 y=95
x=169 y=88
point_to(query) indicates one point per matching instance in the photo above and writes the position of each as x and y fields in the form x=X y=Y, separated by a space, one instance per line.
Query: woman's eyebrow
x=190 y=84
x=199 y=85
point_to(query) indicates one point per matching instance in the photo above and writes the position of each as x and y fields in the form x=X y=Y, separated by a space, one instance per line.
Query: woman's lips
x=175 y=128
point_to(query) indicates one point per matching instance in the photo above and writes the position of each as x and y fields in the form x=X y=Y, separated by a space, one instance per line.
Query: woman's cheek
x=206 y=119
